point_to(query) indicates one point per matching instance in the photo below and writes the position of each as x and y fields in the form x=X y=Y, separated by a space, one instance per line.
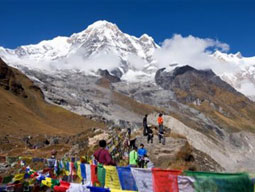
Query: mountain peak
x=102 y=24
x=219 y=54
x=238 y=55
x=146 y=38
x=101 y=28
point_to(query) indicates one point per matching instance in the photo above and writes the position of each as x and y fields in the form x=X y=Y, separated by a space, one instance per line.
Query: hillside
x=23 y=110
x=207 y=93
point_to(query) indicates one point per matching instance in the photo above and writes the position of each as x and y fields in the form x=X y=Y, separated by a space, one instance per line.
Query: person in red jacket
x=161 y=129
x=102 y=155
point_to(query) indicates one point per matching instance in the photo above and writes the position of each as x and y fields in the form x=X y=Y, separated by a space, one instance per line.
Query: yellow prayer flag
x=79 y=170
x=66 y=172
x=47 y=182
x=111 y=178
x=18 y=177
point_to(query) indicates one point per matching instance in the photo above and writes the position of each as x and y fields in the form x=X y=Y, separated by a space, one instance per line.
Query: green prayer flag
x=54 y=182
x=101 y=174
x=221 y=182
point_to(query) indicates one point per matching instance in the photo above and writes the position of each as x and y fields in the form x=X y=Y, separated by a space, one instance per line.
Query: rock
x=107 y=75
x=54 y=141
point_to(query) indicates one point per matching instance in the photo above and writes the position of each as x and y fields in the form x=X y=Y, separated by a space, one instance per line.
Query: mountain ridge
x=102 y=45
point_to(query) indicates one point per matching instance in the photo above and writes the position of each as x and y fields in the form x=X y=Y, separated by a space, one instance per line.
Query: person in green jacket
x=133 y=157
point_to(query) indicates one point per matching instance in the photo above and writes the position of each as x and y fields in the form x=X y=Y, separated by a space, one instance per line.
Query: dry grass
x=238 y=111
x=184 y=159
x=180 y=93
x=32 y=115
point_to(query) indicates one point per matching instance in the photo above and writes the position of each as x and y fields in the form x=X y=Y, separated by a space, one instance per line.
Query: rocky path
x=161 y=155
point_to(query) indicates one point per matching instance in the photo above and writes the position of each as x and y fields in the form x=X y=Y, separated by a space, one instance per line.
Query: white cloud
x=247 y=88
x=136 y=62
x=77 y=61
x=193 y=51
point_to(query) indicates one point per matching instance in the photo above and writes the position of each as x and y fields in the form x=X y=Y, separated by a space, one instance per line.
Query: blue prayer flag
x=127 y=180
x=83 y=170
x=67 y=166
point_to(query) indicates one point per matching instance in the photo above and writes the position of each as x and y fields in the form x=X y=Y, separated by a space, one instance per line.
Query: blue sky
x=230 y=21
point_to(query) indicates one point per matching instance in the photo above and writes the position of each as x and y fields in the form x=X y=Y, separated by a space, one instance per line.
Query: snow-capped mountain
x=243 y=78
x=101 y=45
x=104 y=46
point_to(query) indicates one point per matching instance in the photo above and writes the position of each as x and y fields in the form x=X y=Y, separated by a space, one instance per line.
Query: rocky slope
x=24 y=111
x=206 y=92
x=233 y=152
x=198 y=104
x=91 y=96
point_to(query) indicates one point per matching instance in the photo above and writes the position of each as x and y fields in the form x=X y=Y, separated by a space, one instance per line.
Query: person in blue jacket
x=141 y=155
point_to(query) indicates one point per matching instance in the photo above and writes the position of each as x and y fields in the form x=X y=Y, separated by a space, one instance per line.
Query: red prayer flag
x=94 y=179
x=165 y=180
x=64 y=184
x=72 y=169
x=34 y=175
x=59 y=189
x=62 y=187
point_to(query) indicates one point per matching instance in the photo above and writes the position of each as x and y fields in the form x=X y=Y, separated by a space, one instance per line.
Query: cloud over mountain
x=193 y=51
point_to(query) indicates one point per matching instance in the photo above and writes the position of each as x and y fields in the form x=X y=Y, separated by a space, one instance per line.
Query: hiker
x=161 y=129
x=132 y=143
x=145 y=126
x=129 y=132
x=147 y=162
x=102 y=155
x=52 y=159
x=141 y=153
x=133 y=157
x=149 y=135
